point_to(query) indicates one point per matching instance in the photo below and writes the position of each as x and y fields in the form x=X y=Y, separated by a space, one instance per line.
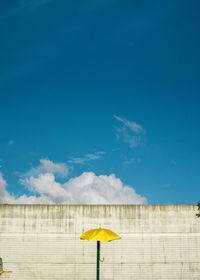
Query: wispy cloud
x=131 y=160
x=38 y=3
x=129 y=132
x=86 y=158
x=23 y=5
x=138 y=129
x=10 y=142
x=174 y=162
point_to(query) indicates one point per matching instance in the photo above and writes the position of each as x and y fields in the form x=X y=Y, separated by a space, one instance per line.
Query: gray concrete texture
x=160 y=242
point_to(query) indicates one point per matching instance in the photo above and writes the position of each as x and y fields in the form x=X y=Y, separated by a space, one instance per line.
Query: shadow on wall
x=1 y=264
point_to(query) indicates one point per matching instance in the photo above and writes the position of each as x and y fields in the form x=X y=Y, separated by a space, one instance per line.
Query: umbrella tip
x=99 y=225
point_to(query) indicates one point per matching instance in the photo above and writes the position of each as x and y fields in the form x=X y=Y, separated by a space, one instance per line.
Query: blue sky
x=92 y=88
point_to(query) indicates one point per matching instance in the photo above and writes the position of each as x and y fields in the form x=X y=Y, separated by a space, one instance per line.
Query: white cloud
x=47 y=166
x=59 y=168
x=84 y=189
x=86 y=158
x=46 y=185
x=5 y=197
x=130 y=132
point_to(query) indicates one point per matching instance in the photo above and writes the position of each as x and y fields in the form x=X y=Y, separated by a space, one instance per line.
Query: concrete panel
x=158 y=242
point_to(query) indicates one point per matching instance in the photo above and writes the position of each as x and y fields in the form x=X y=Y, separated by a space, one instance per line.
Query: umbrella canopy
x=100 y=234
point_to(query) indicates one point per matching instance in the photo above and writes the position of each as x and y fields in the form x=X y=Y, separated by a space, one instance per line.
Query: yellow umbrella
x=99 y=234
x=4 y=271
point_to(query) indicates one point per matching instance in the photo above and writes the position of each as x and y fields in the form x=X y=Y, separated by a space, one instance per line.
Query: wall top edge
x=103 y=205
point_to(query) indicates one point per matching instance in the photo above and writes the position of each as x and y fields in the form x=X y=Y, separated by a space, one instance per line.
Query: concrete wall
x=158 y=242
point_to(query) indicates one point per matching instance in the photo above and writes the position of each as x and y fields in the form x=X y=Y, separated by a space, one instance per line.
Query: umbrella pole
x=98 y=257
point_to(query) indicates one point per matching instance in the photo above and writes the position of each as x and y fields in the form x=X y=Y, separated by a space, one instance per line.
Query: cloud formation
x=4 y=195
x=130 y=132
x=59 y=168
x=84 y=189
x=138 y=129
x=86 y=158
x=48 y=166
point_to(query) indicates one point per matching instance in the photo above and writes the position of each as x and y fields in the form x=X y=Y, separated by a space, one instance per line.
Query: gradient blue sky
x=105 y=87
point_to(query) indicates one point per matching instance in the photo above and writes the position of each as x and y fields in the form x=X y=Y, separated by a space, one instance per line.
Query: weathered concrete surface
x=158 y=241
